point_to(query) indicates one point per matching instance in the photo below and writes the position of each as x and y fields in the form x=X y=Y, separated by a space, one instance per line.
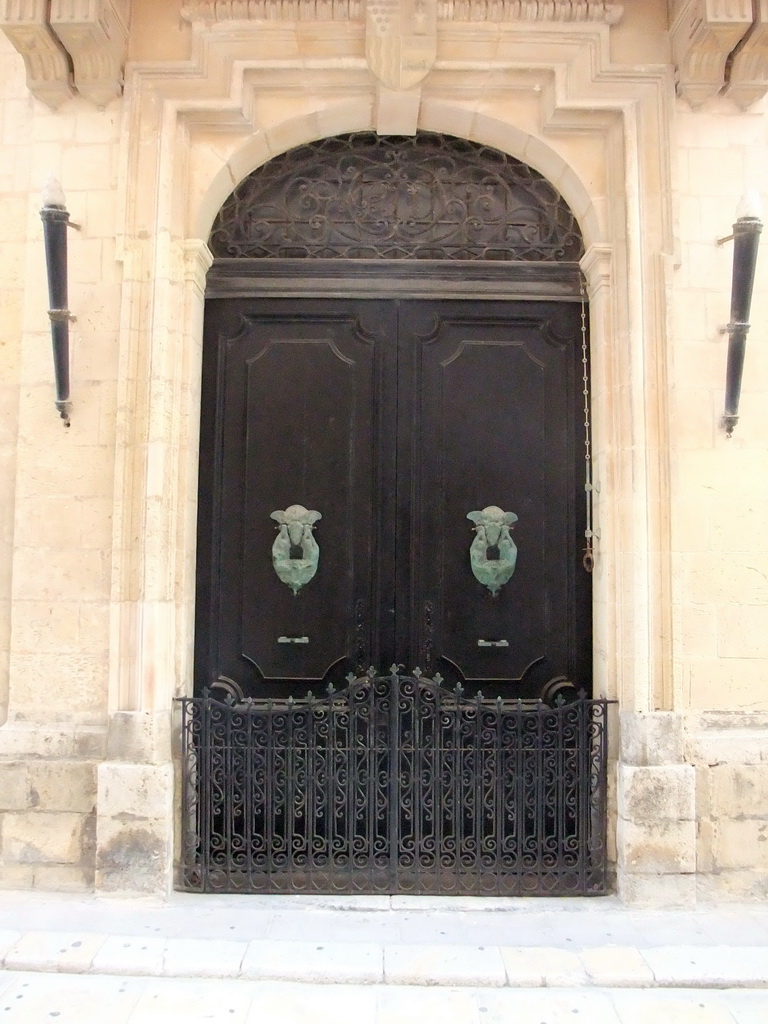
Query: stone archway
x=190 y=139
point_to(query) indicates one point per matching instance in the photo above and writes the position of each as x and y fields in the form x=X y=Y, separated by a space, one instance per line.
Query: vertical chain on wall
x=588 y=560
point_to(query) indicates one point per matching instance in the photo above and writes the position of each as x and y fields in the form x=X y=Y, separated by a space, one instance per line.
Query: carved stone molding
x=704 y=33
x=95 y=32
x=529 y=10
x=25 y=23
x=212 y=11
x=748 y=75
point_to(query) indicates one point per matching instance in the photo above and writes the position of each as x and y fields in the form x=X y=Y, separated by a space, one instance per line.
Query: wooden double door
x=392 y=481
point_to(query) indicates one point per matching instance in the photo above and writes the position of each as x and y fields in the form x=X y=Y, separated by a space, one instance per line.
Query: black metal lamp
x=746 y=239
x=55 y=223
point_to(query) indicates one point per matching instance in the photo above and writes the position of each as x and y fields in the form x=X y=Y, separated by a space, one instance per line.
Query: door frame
x=402 y=279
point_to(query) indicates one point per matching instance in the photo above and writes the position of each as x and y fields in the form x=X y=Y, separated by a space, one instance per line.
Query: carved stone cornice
x=704 y=33
x=95 y=33
x=748 y=73
x=25 y=23
x=212 y=11
x=529 y=10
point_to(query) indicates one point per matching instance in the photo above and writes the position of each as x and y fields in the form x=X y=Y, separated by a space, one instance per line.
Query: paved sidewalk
x=105 y=999
x=377 y=959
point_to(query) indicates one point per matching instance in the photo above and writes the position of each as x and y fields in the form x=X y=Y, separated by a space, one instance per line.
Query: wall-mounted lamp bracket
x=55 y=223
x=746 y=239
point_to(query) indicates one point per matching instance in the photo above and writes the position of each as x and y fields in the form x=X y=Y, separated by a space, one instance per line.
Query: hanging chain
x=588 y=560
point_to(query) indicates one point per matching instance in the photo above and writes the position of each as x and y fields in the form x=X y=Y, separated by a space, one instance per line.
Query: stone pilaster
x=656 y=825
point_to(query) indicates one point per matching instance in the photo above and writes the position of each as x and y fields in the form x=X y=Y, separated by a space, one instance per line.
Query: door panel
x=494 y=419
x=394 y=420
x=304 y=391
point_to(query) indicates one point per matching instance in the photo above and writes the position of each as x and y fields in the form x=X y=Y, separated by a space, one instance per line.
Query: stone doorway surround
x=541 y=88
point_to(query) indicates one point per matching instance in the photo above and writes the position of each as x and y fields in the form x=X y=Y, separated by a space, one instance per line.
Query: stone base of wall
x=47 y=824
x=656 y=812
x=691 y=819
x=729 y=754
x=135 y=806
x=134 y=828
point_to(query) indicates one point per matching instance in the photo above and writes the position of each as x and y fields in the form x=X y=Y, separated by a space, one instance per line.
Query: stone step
x=372 y=963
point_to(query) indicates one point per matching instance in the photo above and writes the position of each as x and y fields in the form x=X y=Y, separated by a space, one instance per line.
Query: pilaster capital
x=597 y=267
x=197 y=260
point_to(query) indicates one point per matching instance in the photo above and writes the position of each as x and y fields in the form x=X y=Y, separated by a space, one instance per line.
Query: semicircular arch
x=489 y=132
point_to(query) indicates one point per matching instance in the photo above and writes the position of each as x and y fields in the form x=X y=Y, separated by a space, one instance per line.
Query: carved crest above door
x=400 y=40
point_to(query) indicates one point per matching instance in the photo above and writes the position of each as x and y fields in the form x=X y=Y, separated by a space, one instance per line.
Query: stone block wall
x=729 y=753
x=719 y=486
x=56 y=488
x=47 y=824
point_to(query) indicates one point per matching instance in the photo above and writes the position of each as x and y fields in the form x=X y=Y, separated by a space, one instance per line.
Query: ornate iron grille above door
x=426 y=197
x=394 y=784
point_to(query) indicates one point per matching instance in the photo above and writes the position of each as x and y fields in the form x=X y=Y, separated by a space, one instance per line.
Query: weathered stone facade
x=650 y=121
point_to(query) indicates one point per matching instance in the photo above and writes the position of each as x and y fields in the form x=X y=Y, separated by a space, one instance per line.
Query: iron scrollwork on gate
x=394 y=784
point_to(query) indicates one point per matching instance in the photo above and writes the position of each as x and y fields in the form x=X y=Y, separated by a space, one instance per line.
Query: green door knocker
x=295 y=552
x=493 y=554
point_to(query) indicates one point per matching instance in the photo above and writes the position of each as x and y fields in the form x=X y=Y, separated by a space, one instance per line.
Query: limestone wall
x=719 y=485
x=57 y=487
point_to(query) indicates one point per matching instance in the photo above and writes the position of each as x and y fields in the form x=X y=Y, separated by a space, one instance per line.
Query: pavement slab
x=681 y=1007
x=40 y=998
x=69 y=998
x=444 y=965
x=185 y=958
x=122 y=954
x=192 y=1000
x=8 y=940
x=276 y=1003
x=529 y=967
x=70 y=952
x=711 y=967
x=312 y=962
x=616 y=967
x=407 y=1005
x=548 y=1006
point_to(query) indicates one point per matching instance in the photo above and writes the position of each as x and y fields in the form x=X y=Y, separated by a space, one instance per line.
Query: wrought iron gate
x=394 y=784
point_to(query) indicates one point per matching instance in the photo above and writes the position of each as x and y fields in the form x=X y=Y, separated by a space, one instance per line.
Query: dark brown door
x=395 y=420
